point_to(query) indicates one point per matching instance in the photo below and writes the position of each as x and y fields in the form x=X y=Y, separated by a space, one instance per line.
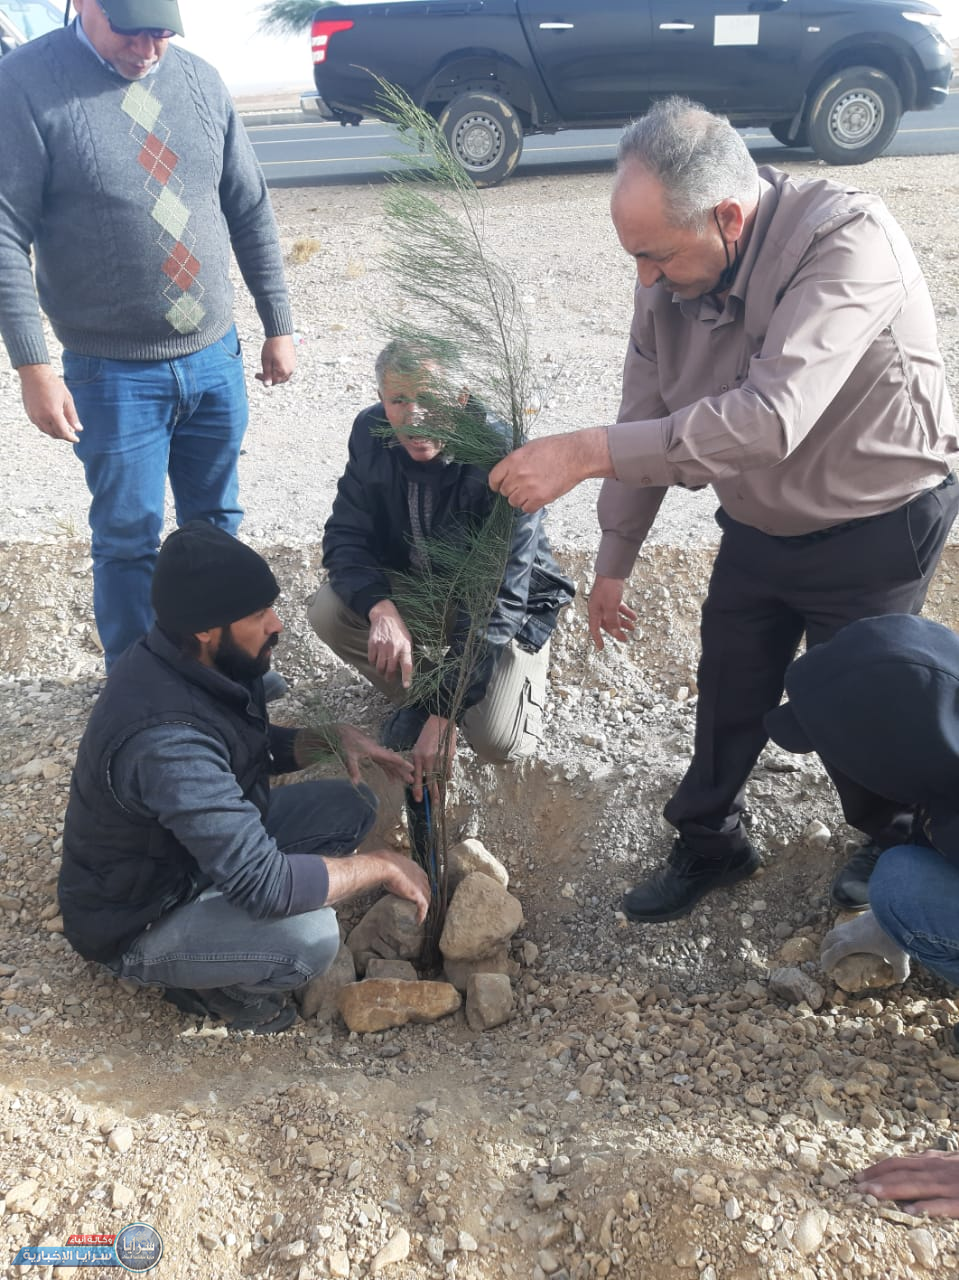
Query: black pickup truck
x=835 y=75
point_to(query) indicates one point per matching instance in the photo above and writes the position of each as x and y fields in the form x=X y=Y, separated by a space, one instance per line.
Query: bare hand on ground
x=433 y=757
x=277 y=361
x=48 y=403
x=924 y=1183
x=544 y=470
x=390 y=646
x=607 y=611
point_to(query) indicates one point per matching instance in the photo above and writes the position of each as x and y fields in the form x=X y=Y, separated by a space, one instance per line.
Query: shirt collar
x=706 y=308
x=85 y=40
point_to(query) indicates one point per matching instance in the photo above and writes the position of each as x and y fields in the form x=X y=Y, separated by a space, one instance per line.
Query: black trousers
x=765 y=593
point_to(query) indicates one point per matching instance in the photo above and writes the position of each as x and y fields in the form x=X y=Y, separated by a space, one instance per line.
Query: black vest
x=120 y=872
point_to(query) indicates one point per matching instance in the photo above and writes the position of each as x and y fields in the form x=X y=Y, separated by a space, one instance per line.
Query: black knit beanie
x=206 y=578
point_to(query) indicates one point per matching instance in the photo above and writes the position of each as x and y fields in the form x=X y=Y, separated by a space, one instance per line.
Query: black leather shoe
x=674 y=889
x=850 y=889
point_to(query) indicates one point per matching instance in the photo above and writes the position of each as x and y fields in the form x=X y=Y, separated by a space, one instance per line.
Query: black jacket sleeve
x=351 y=554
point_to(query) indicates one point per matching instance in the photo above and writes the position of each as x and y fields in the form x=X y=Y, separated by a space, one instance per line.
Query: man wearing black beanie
x=180 y=867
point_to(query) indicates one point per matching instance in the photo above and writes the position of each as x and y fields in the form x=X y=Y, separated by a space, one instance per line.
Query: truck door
x=594 y=55
x=730 y=55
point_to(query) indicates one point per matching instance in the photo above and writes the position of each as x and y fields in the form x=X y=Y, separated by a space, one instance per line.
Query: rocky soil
x=654 y=1110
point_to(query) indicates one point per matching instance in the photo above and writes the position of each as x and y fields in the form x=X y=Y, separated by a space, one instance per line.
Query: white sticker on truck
x=736 y=28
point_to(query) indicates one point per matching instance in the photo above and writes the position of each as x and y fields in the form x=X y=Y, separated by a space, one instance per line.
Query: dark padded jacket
x=120 y=870
x=369 y=536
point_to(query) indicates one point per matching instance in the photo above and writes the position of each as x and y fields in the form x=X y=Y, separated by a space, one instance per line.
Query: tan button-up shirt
x=815 y=394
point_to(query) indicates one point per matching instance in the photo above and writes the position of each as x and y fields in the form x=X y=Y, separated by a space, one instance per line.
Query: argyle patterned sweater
x=130 y=194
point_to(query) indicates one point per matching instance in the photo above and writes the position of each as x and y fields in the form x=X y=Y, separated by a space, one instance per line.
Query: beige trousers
x=506 y=725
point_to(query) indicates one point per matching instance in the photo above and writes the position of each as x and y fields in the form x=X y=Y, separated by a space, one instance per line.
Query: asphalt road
x=314 y=153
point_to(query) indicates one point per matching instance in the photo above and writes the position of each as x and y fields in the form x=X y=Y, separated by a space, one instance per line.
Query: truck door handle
x=556 y=26
x=677 y=26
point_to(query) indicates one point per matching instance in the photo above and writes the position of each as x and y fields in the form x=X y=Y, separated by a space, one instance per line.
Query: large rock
x=863 y=972
x=459 y=972
x=379 y=1003
x=489 y=1001
x=469 y=856
x=318 y=999
x=795 y=986
x=377 y=967
x=481 y=917
x=390 y=930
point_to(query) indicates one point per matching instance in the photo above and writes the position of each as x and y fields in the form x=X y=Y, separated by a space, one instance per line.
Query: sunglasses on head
x=155 y=33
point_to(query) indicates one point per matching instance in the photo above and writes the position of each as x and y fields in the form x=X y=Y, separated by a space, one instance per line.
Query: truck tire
x=780 y=131
x=485 y=136
x=853 y=115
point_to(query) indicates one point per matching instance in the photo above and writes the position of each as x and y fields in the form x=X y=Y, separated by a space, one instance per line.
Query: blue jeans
x=144 y=420
x=914 y=894
x=210 y=943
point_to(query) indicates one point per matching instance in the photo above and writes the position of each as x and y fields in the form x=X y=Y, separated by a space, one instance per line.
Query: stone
x=401 y=969
x=795 y=986
x=379 y=1003
x=120 y=1196
x=120 y=1139
x=703 y=1193
x=924 y=1248
x=318 y=999
x=489 y=1001
x=459 y=972
x=318 y=1156
x=339 y=1264
x=798 y=950
x=481 y=917
x=862 y=972
x=396 y=1249
x=469 y=856
x=295 y=1249
x=816 y=834
x=21 y=1196
x=389 y=930
x=810 y=1230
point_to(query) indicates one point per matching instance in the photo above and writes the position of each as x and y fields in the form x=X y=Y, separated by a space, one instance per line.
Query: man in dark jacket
x=402 y=492
x=880 y=701
x=180 y=867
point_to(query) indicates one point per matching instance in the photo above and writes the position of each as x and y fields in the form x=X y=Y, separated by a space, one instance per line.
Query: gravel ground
x=654 y=1111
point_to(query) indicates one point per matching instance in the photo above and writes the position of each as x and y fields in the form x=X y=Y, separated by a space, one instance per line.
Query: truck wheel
x=780 y=131
x=485 y=136
x=854 y=115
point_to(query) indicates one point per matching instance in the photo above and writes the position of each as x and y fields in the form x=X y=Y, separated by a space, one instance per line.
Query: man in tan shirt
x=783 y=350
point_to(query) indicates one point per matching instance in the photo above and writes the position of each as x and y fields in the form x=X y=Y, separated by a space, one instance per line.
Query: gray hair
x=406 y=356
x=698 y=158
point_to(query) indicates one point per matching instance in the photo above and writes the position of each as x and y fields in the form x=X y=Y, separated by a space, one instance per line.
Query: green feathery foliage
x=460 y=310
x=291 y=17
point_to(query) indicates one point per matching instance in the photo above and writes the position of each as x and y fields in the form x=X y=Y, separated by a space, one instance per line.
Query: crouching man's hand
x=390 y=646
x=351 y=746
x=394 y=872
x=433 y=757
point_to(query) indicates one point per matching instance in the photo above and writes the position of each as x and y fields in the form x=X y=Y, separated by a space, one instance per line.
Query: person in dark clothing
x=402 y=488
x=180 y=867
x=880 y=702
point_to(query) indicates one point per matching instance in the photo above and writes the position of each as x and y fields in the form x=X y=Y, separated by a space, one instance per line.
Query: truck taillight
x=322 y=33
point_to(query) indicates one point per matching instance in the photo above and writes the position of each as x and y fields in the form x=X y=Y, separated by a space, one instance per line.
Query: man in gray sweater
x=124 y=169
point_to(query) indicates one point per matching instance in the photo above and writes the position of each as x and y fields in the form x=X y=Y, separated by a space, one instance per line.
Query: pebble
x=120 y=1139
x=924 y=1248
x=396 y=1249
